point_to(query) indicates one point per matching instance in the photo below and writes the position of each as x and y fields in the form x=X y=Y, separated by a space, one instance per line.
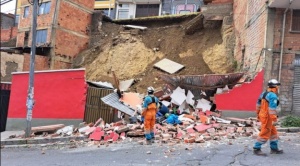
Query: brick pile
x=188 y=132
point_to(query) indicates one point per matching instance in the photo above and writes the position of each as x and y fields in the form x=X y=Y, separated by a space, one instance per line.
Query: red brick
x=202 y=127
x=190 y=130
x=97 y=134
x=189 y=140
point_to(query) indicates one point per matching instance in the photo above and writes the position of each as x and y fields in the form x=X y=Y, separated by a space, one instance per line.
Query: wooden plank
x=47 y=128
x=238 y=120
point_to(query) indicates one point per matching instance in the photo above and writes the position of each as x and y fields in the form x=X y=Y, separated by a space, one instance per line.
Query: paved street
x=216 y=153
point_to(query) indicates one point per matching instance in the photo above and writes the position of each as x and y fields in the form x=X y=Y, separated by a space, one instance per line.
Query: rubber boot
x=148 y=139
x=276 y=151
x=152 y=137
x=148 y=142
x=258 y=152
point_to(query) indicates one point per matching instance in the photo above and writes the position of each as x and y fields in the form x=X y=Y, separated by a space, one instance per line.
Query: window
x=26 y=37
x=124 y=5
x=123 y=14
x=41 y=36
x=44 y=8
x=185 y=8
x=26 y=12
x=295 y=26
x=17 y=19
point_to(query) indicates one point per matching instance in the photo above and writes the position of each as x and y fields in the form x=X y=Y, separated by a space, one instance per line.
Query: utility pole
x=30 y=100
x=109 y=8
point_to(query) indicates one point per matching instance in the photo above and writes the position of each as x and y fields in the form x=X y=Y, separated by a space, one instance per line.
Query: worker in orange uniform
x=150 y=108
x=267 y=115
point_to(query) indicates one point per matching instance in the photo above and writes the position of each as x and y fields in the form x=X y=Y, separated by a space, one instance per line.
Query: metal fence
x=95 y=108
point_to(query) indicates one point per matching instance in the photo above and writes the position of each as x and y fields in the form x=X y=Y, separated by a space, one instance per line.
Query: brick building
x=8 y=29
x=62 y=29
x=7 y=20
x=268 y=37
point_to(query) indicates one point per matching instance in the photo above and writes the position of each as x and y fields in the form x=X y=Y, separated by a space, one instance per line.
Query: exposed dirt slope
x=133 y=55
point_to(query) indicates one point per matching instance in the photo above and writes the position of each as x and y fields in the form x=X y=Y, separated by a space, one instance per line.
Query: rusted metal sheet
x=203 y=83
x=95 y=108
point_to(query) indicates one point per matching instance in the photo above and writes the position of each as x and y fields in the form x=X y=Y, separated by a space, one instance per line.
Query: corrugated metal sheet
x=95 y=108
x=207 y=83
x=296 y=92
x=113 y=101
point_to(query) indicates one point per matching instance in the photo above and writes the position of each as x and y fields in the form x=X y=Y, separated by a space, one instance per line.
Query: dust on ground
x=133 y=55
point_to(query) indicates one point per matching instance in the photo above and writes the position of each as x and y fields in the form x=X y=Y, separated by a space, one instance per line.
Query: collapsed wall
x=131 y=53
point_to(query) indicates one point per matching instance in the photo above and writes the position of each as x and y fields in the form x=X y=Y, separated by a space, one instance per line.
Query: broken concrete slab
x=168 y=66
x=204 y=104
x=83 y=129
x=190 y=98
x=124 y=85
x=178 y=96
x=122 y=129
x=66 y=130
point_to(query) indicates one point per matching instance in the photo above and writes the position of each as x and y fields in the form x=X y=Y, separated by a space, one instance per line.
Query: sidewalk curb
x=57 y=145
x=289 y=129
x=40 y=140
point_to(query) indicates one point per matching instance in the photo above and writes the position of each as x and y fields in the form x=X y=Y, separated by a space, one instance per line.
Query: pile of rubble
x=188 y=132
x=185 y=115
x=198 y=131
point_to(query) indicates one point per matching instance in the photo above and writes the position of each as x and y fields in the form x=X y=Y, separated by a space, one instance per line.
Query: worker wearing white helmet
x=267 y=115
x=150 y=108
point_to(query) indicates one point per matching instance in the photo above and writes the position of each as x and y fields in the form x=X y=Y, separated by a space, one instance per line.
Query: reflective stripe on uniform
x=272 y=112
x=274 y=138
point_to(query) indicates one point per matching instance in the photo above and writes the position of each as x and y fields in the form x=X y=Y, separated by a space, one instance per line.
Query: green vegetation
x=235 y=65
x=291 y=121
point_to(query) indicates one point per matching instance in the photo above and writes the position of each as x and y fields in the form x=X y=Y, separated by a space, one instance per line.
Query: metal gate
x=296 y=92
x=5 y=93
x=95 y=108
x=146 y=10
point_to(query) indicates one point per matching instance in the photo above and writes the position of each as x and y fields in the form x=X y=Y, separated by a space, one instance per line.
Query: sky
x=9 y=7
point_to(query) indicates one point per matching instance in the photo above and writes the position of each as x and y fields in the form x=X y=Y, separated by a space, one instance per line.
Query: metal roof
x=113 y=101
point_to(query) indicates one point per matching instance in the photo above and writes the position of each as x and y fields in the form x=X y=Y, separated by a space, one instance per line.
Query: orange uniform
x=266 y=112
x=150 y=109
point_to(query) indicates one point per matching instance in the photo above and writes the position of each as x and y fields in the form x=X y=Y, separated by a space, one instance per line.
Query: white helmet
x=150 y=90
x=273 y=83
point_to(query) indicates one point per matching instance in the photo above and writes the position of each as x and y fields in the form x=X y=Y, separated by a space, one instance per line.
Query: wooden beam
x=49 y=128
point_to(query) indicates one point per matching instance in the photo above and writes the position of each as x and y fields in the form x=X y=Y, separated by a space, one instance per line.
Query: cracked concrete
x=215 y=153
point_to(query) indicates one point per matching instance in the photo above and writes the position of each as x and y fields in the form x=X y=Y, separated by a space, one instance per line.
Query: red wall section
x=57 y=94
x=242 y=98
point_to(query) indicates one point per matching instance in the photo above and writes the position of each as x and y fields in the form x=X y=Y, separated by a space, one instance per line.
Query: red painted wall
x=242 y=98
x=57 y=94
